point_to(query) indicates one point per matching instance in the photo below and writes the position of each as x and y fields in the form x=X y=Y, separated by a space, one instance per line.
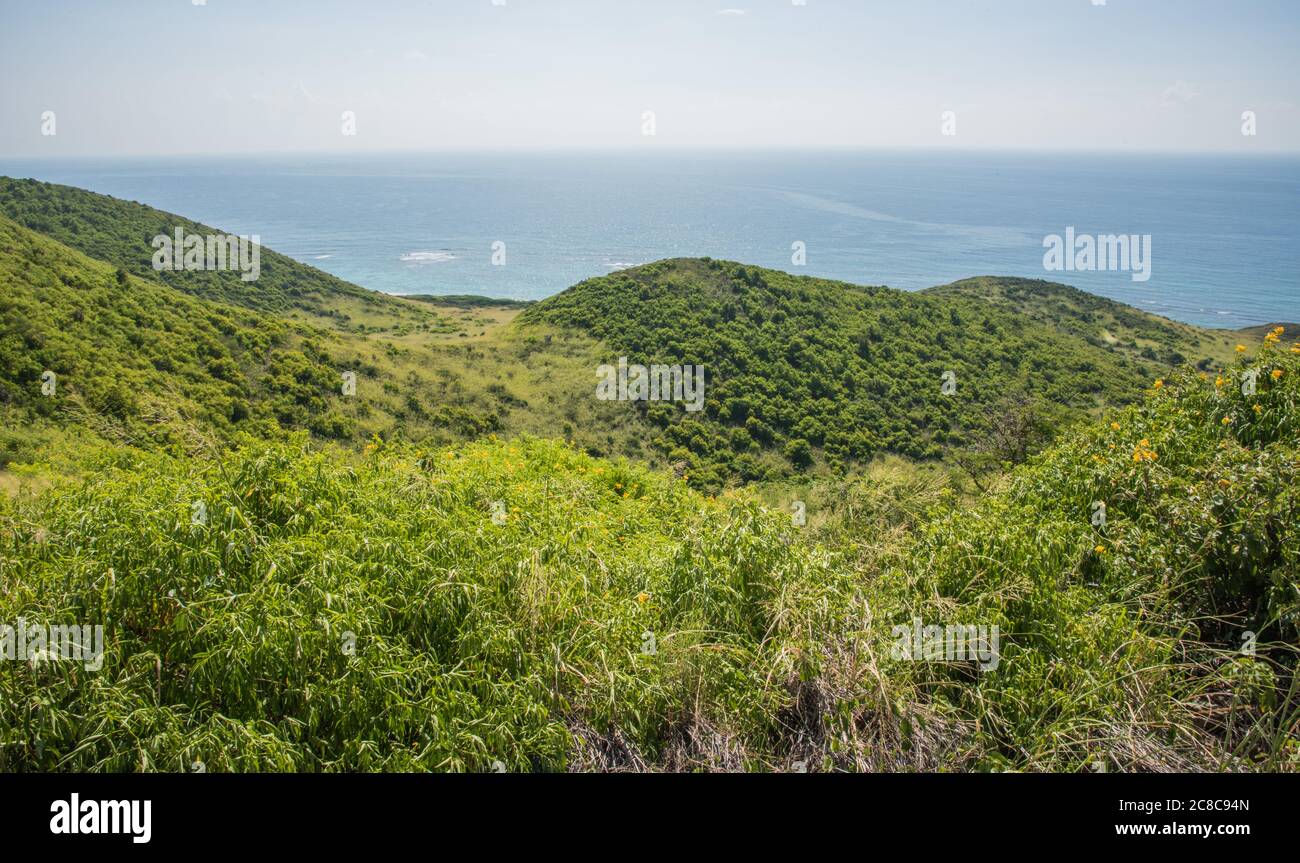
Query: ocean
x=1224 y=230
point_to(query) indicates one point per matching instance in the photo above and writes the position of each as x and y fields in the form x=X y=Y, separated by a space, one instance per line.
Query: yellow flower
x=1277 y=373
x=1223 y=483
x=1115 y=426
x=1218 y=381
x=1241 y=349
x=1143 y=452
x=1227 y=421
x=1258 y=409
x=1101 y=549
x=642 y=597
x=1159 y=383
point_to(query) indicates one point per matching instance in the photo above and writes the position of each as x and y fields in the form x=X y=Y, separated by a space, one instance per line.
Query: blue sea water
x=1225 y=230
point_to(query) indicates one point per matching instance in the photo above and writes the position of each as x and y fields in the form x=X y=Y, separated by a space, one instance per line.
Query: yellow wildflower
x=1241 y=349
x=1143 y=452
x=642 y=597
x=1277 y=373
x=1101 y=549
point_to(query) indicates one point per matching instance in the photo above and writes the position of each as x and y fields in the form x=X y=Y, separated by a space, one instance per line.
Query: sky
x=180 y=77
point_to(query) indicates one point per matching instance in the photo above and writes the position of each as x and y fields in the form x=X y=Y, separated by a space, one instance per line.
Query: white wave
x=427 y=257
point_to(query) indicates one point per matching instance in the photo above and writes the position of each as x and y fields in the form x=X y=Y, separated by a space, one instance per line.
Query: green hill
x=120 y=233
x=802 y=375
x=141 y=363
x=1104 y=323
x=799 y=367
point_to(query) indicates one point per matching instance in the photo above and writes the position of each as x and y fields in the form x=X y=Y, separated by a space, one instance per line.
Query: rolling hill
x=804 y=376
x=801 y=368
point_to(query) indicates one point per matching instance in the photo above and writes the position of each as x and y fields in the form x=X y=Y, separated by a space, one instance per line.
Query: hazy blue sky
x=169 y=76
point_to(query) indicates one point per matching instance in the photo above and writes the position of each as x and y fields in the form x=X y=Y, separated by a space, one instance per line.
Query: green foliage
x=855 y=371
x=603 y=601
x=608 y=616
x=344 y=613
x=121 y=233
x=1123 y=642
x=139 y=362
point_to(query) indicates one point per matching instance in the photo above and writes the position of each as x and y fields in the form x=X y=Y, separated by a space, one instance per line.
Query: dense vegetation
x=802 y=375
x=522 y=606
x=121 y=233
x=798 y=365
x=140 y=363
x=421 y=576
x=137 y=362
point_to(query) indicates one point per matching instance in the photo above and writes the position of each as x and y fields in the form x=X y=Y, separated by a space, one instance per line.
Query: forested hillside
x=802 y=375
x=130 y=360
x=798 y=367
x=120 y=233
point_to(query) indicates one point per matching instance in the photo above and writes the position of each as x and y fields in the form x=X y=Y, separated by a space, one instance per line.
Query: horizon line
x=651 y=150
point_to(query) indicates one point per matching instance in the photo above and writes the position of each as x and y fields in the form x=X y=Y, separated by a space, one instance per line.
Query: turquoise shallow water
x=1225 y=231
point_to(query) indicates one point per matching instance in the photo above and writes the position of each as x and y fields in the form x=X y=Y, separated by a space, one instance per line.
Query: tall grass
x=336 y=611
